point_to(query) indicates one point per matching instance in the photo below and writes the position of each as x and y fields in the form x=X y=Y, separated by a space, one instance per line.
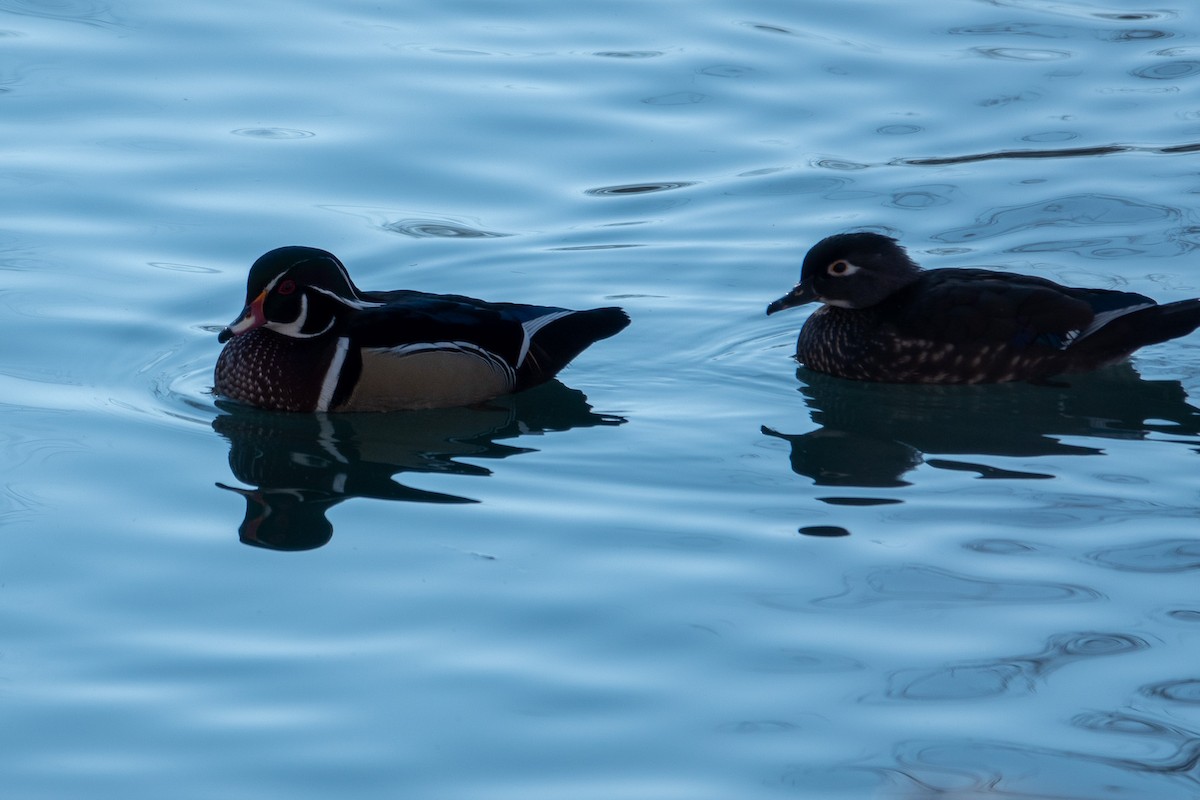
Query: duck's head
x=295 y=291
x=850 y=270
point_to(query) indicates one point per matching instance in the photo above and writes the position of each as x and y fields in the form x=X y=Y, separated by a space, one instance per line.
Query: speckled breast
x=858 y=345
x=267 y=370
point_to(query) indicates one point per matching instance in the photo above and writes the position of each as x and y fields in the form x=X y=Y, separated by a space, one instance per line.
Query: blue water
x=686 y=571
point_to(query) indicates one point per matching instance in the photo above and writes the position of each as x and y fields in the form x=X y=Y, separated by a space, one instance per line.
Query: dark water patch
x=633 y=54
x=824 y=531
x=637 y=188
x=770 y=28
x=997 y=155
x=986 y=472
x=1008 y=99
x=1135 y=16
x=1062 y=152
x=860 y=501
x=1180 y=148
x=841 y=458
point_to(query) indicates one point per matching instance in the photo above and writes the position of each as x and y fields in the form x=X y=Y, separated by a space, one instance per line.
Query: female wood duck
x=883 y=318
x=310 y=340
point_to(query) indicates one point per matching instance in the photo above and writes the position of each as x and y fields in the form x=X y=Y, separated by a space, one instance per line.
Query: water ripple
x=1168 y=70
x=637 y=188
x=438 y=229
x=676 y=99
x=1083 y=11
x=1125 y=725
x=1071 y=210
x=1061 y=152
x=990 y=677
x=629 y=53
x=930 y=585
x=1014 y=29
x=1138 y=35
x=1160 y=556
x=962 y=768
x=273 y=133
x=89 y=12
x=1186 y=691
x=1021 y=54
x=420 y=227
x=726 y=70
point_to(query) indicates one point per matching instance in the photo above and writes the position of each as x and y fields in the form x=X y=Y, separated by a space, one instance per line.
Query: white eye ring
x=841 y=268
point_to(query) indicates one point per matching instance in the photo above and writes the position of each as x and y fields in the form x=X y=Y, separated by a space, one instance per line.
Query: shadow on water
x=301 y=465
x=870 y=435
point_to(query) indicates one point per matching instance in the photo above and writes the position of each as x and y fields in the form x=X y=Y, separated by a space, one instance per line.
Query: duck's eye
x=839 y=268
x=286 y=287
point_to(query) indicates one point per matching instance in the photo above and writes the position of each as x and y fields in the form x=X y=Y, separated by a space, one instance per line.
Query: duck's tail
x=553 y=345
x=1144 y=326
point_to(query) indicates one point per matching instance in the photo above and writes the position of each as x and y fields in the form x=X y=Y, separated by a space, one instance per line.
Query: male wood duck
x=310 y=340
x=885 y=319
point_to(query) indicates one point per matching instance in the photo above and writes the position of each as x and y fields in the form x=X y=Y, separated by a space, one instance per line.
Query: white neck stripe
x=333 y=373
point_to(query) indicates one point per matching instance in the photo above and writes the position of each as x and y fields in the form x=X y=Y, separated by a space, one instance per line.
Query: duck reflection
x=871 y=434
x=301 y=465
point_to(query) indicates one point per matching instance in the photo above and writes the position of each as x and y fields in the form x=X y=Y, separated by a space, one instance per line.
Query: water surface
x=686 y=570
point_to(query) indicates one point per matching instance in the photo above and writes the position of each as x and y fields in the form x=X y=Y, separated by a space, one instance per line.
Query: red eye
x=287 y=287
x=839 y=268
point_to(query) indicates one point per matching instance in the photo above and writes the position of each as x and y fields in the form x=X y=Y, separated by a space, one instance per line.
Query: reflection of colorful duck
x=301 y=465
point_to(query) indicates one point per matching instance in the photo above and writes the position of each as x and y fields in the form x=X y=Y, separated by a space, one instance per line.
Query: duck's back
x=966 y=326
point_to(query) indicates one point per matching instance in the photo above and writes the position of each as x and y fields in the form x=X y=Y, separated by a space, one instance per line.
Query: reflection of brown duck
x=870 y=435
x=301 y=465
